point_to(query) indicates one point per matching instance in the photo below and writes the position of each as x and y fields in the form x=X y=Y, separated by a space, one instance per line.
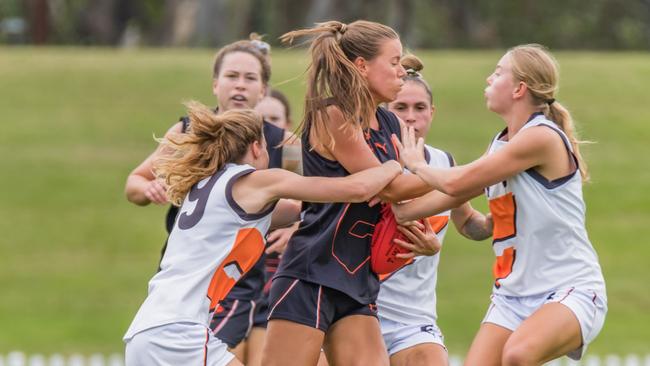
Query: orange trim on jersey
x=352 y=233
x=353 y=271
x=395 y=149
x=503 y=265
x=504 y=210
x=248 y=247
x=438 y=223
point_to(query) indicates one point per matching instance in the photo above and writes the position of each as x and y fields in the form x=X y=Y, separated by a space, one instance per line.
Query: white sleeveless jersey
x=408 y=295
x=539 y=235
x=213 y=243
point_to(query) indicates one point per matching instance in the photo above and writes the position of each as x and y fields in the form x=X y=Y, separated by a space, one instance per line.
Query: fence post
x=16 y=358
x=612 y=360
x=36 y=360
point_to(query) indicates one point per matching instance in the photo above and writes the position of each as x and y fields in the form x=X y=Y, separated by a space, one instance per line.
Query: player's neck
x=516 y=117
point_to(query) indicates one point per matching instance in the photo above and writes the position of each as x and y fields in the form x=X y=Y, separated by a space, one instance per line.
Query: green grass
x=75 y=257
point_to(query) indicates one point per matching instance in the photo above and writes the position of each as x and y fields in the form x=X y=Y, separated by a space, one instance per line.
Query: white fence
x=20 y=359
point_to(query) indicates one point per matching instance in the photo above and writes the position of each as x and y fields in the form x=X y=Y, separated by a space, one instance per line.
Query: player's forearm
x=431 y=204
x=372 y=181
x=404 y=187
x=135 y=188
x=477 y=227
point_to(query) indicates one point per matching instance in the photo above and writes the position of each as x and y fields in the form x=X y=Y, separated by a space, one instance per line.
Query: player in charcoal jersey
x=407 y=297
x=217 y=174
x=324 y=291
x=241 y=73
x=549 y=295
x=274 y=108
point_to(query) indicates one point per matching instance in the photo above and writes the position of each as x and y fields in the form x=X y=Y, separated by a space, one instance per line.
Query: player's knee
x=426 y=357
x=517 y=355
x=379 y=360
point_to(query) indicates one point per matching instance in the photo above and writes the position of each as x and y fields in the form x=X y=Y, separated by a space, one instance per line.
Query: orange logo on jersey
x=504 y=210
x=247 y=249
x=503 y=265
x=382 y=147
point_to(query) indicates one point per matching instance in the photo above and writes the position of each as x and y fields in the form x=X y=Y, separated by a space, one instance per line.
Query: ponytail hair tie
x=413 y=72
x=261 y=46
x=338 y=33
x=550 y=101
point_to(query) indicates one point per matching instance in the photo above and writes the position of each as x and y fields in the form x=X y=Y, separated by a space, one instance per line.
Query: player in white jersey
x=216 y=174
x=407 y=297
x=549 y=295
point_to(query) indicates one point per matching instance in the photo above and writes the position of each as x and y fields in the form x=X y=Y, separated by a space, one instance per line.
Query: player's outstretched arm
x=257 y=190
x=529 y=148
x=430 y=204
x=357 y=187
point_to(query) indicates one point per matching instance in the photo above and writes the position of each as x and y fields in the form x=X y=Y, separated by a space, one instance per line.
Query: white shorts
x=176 y=344
x=588 y=306
x=399 y=336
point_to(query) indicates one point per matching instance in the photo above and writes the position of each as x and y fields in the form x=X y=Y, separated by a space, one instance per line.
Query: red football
x=383 y=249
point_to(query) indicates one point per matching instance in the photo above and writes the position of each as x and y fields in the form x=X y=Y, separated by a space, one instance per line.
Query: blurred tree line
x=594 y=24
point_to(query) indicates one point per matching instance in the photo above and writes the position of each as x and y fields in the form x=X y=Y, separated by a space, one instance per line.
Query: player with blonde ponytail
x=549 y=296
x=217 y=172
x=324 y=291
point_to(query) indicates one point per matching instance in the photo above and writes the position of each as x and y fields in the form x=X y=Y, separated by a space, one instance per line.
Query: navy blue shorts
x=233 y=320
x=261 y=312
x=312 y=304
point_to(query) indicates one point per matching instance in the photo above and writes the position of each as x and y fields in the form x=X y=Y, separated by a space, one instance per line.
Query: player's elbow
x=135 y=198
x=390 y=195
x=134 y=195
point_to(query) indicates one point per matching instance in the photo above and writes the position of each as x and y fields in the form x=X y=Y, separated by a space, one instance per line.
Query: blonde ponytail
x=332 y=76
x=535 y=66
x=212 y=142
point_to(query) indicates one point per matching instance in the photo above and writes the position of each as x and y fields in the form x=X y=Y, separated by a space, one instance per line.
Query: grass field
x=75 y=256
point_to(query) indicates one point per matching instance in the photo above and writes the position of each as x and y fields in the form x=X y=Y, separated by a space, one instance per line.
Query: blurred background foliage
x=575 y=24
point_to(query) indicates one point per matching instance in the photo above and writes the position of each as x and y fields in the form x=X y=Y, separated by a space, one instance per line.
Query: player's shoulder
x=439 y=157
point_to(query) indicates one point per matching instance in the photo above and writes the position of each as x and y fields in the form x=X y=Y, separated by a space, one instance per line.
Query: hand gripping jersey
x=539 y=235
x=332 y=245
x=408 y=295
x=212 y=245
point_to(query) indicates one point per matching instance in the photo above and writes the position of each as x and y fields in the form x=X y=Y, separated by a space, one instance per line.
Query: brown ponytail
x=333 y=76
x=535 y=66
x=413 y=65
x=212 y=142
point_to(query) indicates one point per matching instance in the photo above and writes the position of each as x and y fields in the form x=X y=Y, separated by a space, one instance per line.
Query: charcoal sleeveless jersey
x=213 y=243
x=539 y=237
x=408 y=295
x=250 y=286
x=332 y=245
